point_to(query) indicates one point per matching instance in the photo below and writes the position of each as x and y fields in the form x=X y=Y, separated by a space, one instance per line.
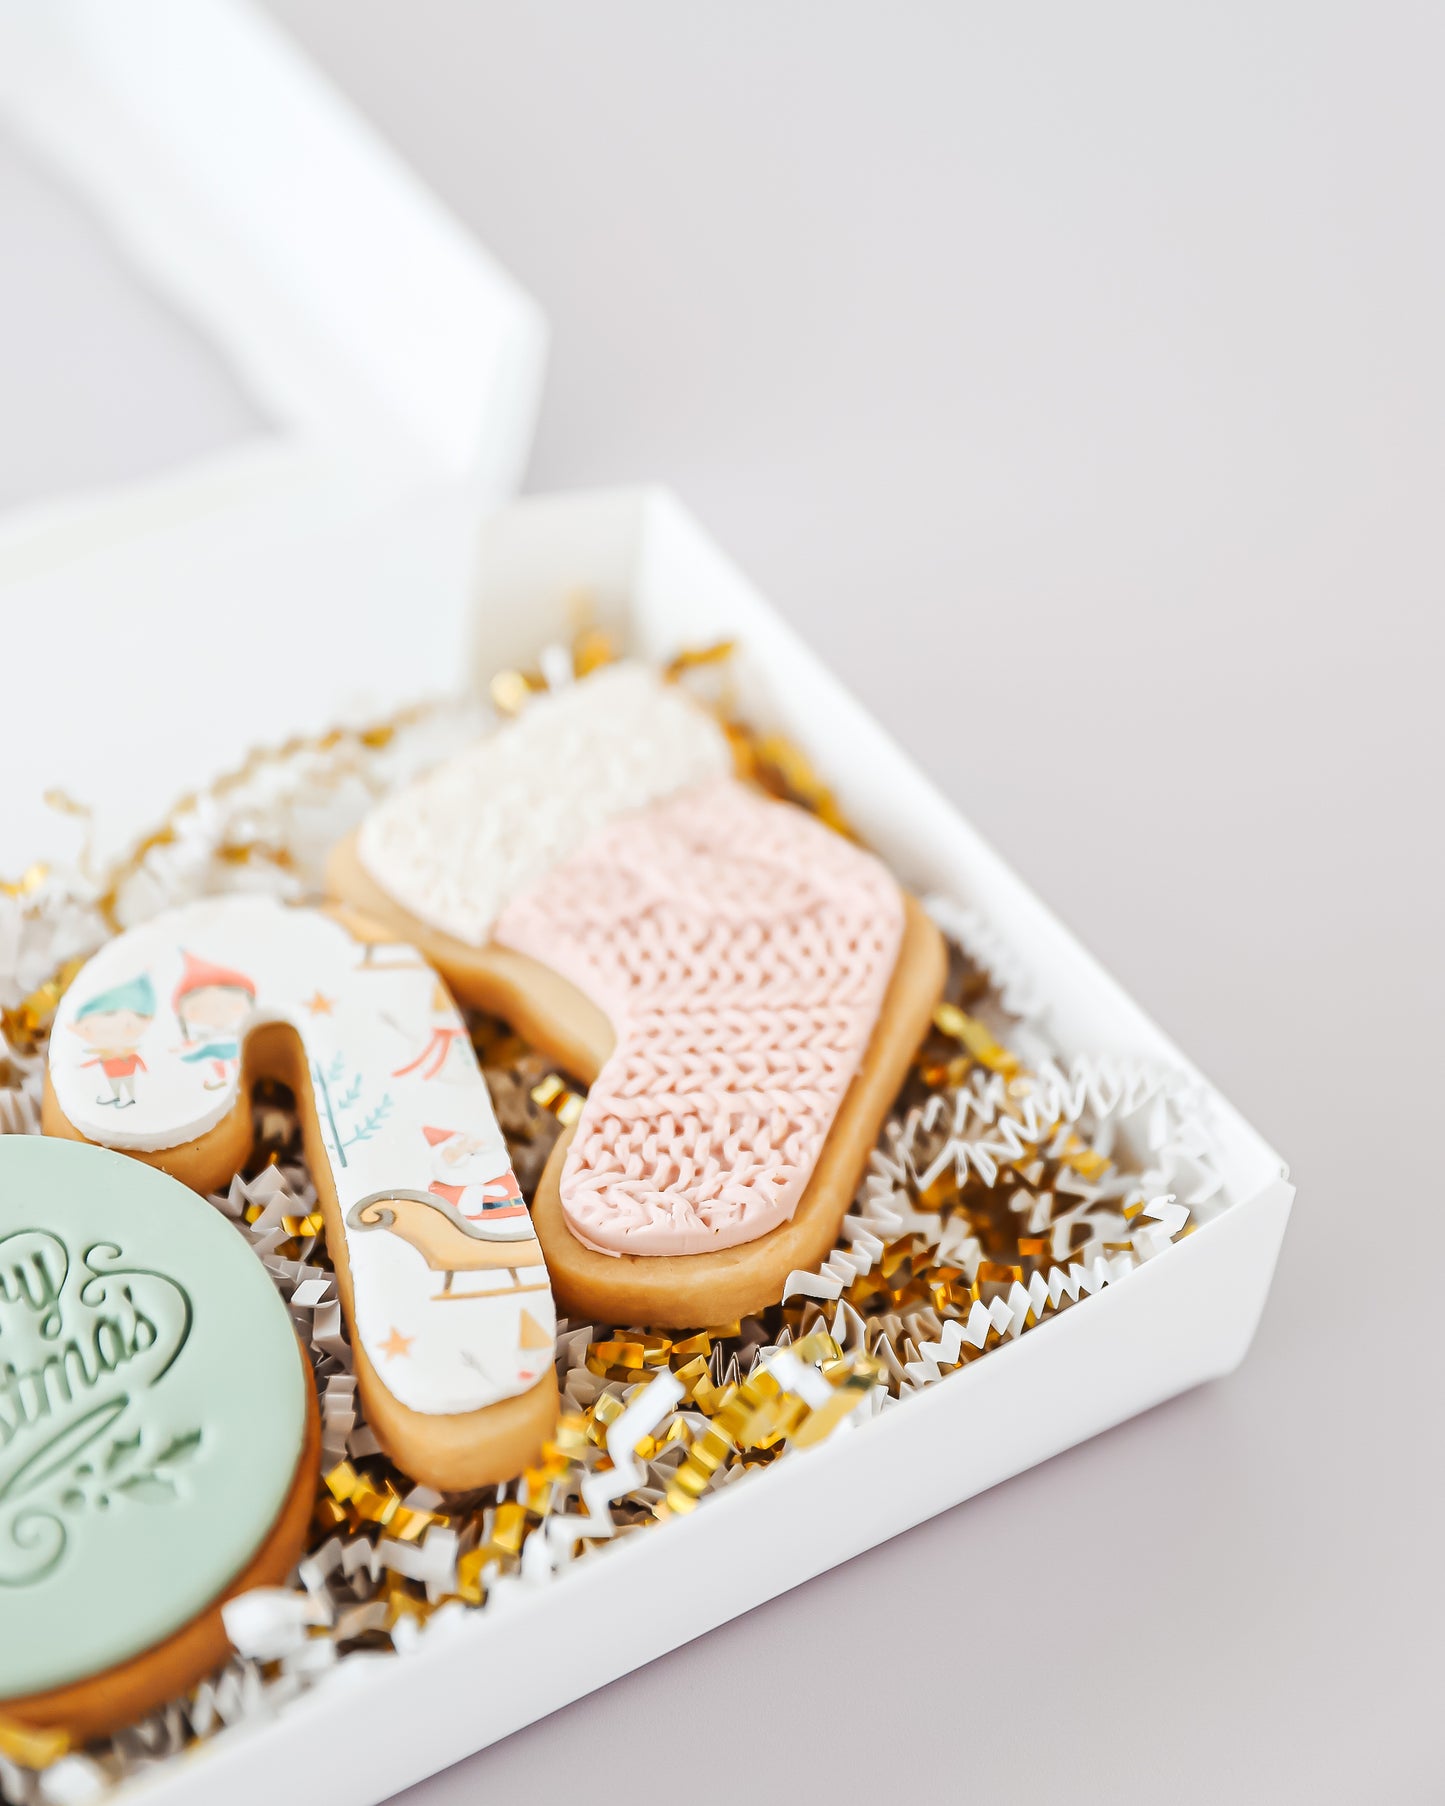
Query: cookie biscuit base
x=435 y=1449
x=118 y=1696
x=671 y=1291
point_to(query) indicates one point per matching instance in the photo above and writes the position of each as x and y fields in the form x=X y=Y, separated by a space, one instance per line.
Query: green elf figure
x=212 y=1004
x=112 y=1025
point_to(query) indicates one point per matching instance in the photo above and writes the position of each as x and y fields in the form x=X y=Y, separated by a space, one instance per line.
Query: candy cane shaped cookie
x=741 y=987
x=441 y=1277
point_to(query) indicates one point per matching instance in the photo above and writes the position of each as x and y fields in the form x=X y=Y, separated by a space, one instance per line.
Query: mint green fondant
x=152 y=1409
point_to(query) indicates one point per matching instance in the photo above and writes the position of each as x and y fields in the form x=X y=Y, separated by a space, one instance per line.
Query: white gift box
x=398 y=365
x=333 y=506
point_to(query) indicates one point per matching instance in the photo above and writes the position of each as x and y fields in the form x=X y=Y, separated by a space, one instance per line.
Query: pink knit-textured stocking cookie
x=742 y=952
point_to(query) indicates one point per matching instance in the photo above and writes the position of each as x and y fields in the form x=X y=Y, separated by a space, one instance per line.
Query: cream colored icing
x=458 y=846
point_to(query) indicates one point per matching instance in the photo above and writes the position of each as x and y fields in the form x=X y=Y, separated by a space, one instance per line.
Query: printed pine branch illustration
x=345 y=1130
x=150 y=1481
x=371 y=1122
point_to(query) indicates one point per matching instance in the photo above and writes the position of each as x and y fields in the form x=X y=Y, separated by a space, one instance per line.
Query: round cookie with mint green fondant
x=157 y=1440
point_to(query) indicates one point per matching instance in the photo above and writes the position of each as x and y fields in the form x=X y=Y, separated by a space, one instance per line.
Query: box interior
x=1184 y=1317
x=655 y=578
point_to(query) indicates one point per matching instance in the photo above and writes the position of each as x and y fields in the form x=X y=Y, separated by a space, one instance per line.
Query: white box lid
x=399 y=364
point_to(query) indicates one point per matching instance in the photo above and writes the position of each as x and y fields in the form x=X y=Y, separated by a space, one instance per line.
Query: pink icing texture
x=741 y=951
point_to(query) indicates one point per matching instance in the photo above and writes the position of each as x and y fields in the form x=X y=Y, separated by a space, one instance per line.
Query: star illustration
x=396 y=1343
x=321 y=1006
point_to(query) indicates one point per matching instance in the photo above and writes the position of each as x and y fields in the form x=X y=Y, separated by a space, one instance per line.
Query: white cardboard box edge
x=399 y=366
x=1185 y=1317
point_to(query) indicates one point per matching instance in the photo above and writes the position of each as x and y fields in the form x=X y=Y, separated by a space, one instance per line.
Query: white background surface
x=1074 y=378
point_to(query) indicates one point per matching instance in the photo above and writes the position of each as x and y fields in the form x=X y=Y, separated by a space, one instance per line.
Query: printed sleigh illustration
x=467 y=1221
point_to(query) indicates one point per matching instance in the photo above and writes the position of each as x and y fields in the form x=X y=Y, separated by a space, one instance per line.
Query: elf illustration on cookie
x=440 y=1274
x=210 y=1004
x=741 y=987
x=112 y=1024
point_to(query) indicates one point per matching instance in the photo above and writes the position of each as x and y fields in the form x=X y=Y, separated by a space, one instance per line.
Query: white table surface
x=1073 y=376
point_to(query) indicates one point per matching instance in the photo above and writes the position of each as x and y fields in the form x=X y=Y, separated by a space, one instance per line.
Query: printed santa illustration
x=471 y=1172
x=470 y=1219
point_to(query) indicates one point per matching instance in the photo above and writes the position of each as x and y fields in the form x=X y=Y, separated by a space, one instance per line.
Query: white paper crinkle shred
x=73 y=1781
x=989 y=1123
x=46 y=919
x=289 y=1639
x=20 y=1104
x=1157 y=1115
x=1020 y=995
x=269 y=1622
